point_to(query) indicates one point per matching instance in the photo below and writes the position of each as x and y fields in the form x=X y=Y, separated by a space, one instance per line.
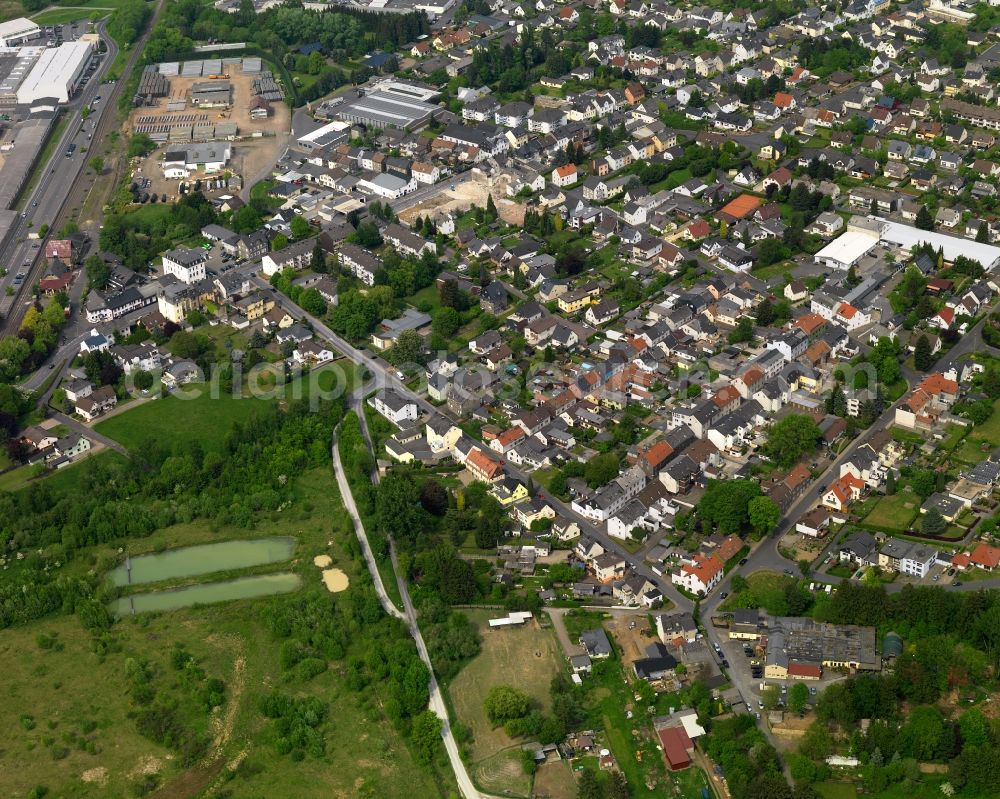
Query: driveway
x=559 y=625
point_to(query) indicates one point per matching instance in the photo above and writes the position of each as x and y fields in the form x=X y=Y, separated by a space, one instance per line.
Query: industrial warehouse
x=29 y=74
x=390 y=104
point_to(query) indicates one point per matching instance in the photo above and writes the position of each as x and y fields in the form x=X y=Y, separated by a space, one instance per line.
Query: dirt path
x=205 y=777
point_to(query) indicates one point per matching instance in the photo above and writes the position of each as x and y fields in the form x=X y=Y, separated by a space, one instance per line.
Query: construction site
x=182 y=105
x=457 y=197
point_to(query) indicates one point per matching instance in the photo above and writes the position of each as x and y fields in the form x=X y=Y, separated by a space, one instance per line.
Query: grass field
x=895 y=513
x=836 y=790
x=525 y=657
x=60 y=16
x=766 y=590
x=555 y=781
x=10 y=9
x=70 y=695
x=209 y=419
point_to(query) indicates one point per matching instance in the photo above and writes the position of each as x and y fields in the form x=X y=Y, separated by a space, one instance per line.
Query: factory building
x=17 y=31
x=56 y=73
x=15 y=69
x=392 y=104
x=205 y=158
x=212 y=94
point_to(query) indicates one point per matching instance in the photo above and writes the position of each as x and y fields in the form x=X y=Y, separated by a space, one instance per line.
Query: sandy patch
x=98 y=775
x=323 y=561
x=147 y=765
x=335 y=580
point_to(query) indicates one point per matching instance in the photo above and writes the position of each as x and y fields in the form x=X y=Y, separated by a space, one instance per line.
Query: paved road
x=46 y=201
x=78 y=427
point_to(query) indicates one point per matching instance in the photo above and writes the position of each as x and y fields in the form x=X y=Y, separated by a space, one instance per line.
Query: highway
x=46 y=200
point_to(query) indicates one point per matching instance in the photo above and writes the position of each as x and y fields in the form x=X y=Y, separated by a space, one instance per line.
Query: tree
x=367 y=235
x=317 y=261
x=798 y=696
x=933 y=522
x=505 y=703
x=618 y=786
x=97 y=164
x=765 y=314
x=98 y=272
x=836 y=403
x=923 y=359
x=140 y=145
x=725 y=504
x=426 y=735
x=763 y=513
x=770 y=696
x=742 y=332
x=300 y=228
x=408 y=348
x=434 y=497
x=587 y=786
x=143 y=380
x=447 y=321
x=279 y=242
x=601 y=470
x=924 y=220
x=791 y=438
x=983 y=233
x=396 y=505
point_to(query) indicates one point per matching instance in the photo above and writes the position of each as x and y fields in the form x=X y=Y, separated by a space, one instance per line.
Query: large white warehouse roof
x=907 y=237
x=55 y=72
x=14 y=31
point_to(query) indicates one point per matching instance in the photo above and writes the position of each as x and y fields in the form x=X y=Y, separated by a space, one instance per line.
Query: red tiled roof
x=804 y=670
x=986 y=556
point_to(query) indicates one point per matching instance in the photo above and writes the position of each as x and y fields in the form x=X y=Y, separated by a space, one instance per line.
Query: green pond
x=207 y=593
x=203 y=559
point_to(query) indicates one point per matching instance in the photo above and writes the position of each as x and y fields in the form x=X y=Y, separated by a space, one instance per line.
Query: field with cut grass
x=526 y=658
x=836 y=790
x=895 y=513
x=209 y=419
x=61 y=16
x=68 y=716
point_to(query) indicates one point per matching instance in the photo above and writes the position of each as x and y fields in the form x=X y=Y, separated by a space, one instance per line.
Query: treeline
x=749 y=762
x=344 y=33
x=129 y=20
x=35 y=340
x=162 y=485
x=920 y=613
x=139 y=238
x=900 y=736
